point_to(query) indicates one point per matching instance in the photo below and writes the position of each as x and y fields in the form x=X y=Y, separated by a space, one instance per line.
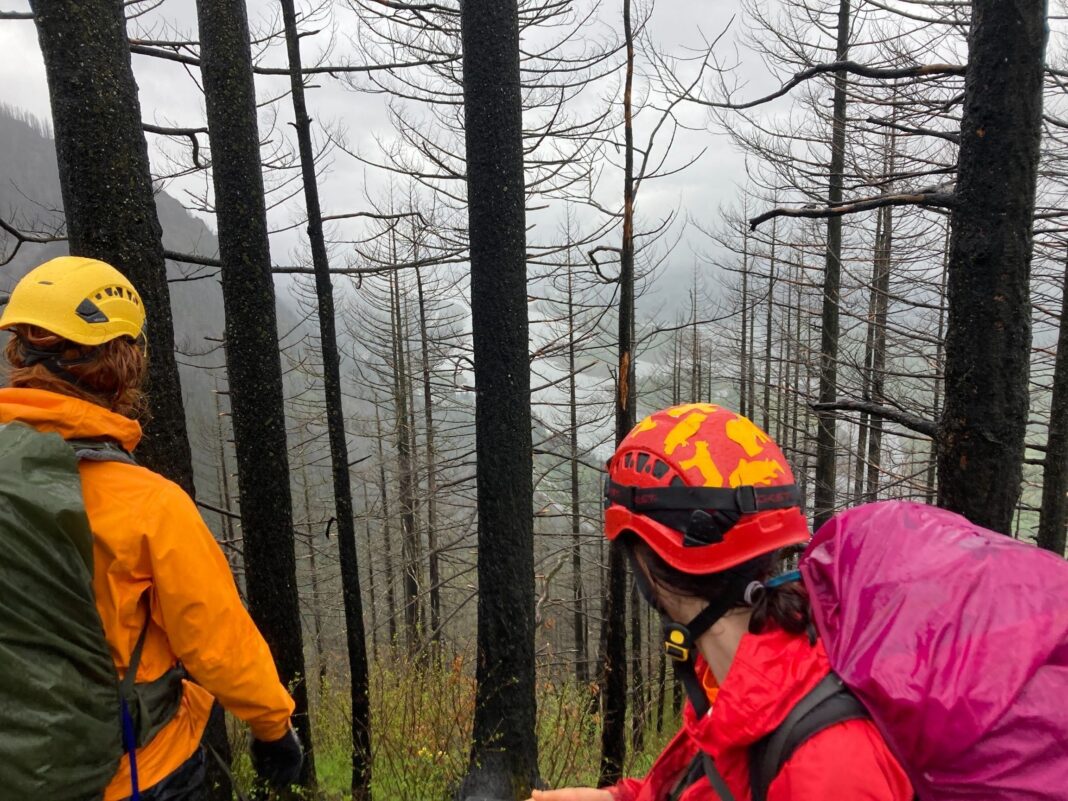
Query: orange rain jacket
x=150 y=542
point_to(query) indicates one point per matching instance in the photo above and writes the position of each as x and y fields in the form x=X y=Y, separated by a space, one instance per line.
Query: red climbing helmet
x=705 y=488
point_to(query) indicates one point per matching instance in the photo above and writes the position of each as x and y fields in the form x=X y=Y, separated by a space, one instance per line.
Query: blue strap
x=785 y=578
x=129 y=742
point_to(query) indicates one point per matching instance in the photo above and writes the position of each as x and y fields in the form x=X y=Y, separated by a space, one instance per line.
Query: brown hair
x=111 y=376
x=786 y=606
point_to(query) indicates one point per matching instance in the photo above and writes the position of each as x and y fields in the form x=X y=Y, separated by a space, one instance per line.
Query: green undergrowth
x=421 y=722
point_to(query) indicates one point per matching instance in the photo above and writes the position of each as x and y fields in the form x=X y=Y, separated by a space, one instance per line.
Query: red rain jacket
x=772 y=672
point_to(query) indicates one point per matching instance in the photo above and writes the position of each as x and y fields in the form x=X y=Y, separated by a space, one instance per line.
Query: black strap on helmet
x=743 y=500
x=52 y=360
x=680 y=641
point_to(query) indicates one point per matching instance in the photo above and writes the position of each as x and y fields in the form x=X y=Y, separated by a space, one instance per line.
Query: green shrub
x=421 y=717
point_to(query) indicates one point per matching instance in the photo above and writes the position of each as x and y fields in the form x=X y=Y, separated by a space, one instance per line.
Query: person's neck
x=720 y=643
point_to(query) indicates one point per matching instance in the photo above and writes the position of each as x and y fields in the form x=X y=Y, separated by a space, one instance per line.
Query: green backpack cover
x=61 y=735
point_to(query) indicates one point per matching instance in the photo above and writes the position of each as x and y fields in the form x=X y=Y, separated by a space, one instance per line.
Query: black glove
x=279 y=761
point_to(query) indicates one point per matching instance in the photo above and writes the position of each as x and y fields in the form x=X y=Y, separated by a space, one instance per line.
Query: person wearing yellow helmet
x=166 y=599
x=82 y=321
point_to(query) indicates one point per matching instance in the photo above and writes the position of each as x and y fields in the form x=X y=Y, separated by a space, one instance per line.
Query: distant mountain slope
x=30 y=198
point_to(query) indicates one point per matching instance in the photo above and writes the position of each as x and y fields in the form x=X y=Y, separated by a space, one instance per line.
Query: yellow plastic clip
x=677 y=642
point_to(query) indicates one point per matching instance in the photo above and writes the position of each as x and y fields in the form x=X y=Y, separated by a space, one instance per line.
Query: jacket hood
x=69 y=417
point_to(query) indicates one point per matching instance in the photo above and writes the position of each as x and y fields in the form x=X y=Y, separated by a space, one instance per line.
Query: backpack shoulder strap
x=715 y=778
x=830 y=702
x=695 y=771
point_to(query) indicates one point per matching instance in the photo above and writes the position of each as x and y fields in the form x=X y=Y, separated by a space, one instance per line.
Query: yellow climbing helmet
x=82 y=300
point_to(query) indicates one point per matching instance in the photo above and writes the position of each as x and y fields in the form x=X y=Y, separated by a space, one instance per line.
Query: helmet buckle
x=677 y=642
x=747 y=499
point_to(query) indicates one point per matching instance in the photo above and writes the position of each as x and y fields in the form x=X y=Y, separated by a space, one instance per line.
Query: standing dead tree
x=253 y=360
x=504 y=756
x=355 y=638
x=108 y=203
x=980 y=438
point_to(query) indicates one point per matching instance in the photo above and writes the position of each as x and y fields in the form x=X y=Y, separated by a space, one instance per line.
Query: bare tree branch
x=191 y=133
x=192 y=258
x=851 y=67
x=211 y=508
x=597 y=265
x=928 y=199
x=910 y=421
x=22 y=237
x=399 y=6
x=327 y=69
x=166 y=55
x=949 y=136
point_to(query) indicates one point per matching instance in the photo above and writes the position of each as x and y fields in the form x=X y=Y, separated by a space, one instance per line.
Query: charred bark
x=355 y=638
x=431 y=475
x=387 y=539
x=504 y=754
x=988 y=334
x=106 y=184
x=406 y=482
x=253 y=362
x=582 y=667
x=1054 y=517
x=613 y=731
x=881 y=292
x=826 y=432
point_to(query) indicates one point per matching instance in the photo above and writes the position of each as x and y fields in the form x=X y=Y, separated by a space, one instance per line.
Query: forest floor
x=421 y=725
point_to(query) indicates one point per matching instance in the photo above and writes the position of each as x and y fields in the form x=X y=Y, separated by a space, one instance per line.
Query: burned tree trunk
x=317 y=592
x=988 y=335
x=253 y=362
x=744 y=408
x=105 y=178
x=863 y=426
x=881 y=292
x=355 y=639
x=826 y=449
x=613 y=731
x=637 y=684
x=1051 y=526
x=931 y=479
x=768 y=320
x=431 y=475
x=370 y=574
x=504 y=755
x=387 y=539
x=405 y=473
x=582 y=667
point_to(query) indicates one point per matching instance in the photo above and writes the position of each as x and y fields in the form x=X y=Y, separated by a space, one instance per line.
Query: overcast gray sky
x=168 y=95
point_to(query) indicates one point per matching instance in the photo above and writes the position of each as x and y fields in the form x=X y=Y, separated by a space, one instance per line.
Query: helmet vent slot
x=90 y=312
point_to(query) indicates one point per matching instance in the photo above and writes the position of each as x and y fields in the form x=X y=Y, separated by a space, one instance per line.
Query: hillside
x=30 y=198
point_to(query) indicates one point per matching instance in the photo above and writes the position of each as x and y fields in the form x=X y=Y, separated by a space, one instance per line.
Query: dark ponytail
x=786 y=606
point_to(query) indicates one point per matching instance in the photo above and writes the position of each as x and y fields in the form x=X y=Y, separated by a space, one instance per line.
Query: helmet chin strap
x=680 y=643
x=680 y=639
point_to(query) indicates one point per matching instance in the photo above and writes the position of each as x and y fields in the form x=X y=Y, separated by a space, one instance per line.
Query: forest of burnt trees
x=406 y=479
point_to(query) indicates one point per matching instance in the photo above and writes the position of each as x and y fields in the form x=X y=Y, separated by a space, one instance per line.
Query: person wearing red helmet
x=705 y=504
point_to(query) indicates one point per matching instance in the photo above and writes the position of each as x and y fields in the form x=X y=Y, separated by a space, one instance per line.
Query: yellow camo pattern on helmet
x=709 y=446
x=82 y=300
x=702 y=445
